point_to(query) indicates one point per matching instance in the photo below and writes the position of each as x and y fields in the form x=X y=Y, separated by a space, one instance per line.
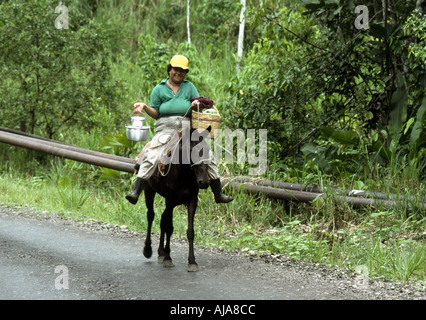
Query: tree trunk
x=241 y=32
x=187 y=21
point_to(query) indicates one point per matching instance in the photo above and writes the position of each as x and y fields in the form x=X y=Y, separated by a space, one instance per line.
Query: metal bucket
x=137 y=133
x=137 y=121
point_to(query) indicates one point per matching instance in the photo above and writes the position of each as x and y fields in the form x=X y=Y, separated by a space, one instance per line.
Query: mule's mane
x=175 y=145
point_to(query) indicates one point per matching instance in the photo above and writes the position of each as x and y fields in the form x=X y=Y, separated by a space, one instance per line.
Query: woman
x=171 y=107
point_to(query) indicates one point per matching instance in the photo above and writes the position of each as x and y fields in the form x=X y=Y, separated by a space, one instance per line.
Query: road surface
x=53 y=258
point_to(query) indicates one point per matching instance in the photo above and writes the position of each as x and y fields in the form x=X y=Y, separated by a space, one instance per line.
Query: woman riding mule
x=171 y=107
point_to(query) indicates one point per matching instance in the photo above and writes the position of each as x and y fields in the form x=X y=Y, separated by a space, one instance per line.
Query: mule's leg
x=192 y=265
x=149 y=201
x=167 y=230
x=161 y=253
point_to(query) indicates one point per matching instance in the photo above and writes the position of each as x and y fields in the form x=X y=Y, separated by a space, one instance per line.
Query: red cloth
x=204 y=102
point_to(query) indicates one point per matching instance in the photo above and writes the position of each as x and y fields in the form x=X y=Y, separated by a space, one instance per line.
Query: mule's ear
x=206 y=132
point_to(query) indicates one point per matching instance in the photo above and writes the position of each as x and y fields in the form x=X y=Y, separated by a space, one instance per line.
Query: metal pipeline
x=303 y=196
x=310 y=188
x=64 y=152
x=68 y=146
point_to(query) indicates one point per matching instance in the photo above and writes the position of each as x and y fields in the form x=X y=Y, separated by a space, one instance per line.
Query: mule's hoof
x=147 y=252
x=192 y=267
x=168 y=264
x=160 y=259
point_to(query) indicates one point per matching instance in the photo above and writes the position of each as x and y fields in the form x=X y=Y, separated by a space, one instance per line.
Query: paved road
x=56 y=259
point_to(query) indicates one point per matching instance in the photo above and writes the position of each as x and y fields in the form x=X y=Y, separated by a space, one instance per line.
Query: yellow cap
x=179 y=62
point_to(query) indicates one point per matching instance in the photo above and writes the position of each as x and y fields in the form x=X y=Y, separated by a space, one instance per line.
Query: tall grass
x=389 y=244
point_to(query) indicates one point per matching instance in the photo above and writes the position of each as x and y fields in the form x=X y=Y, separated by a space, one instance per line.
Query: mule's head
x=200 y=157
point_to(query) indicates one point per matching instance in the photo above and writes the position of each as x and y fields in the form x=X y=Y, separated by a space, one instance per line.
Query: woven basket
x=202 y=121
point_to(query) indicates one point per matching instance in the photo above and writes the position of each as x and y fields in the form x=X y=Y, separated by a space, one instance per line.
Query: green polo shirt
x=167 y=103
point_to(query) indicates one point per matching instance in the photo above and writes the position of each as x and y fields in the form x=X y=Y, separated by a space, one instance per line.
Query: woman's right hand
x=138 y=107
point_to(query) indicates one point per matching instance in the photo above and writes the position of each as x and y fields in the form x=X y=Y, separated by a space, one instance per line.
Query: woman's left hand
x=194 y=103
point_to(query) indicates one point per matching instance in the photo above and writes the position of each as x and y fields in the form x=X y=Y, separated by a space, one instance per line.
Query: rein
x=173 y=150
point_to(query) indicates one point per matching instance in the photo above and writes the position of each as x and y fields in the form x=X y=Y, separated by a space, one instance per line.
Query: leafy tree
x=53 y=77
x=271 y=91
x=313 y=67
x=378 y=67
x=215 y=22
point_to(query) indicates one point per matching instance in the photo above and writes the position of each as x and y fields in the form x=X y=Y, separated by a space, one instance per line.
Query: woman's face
x=177 y=75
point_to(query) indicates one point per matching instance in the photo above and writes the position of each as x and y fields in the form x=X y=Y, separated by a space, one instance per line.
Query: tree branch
x=333 y=56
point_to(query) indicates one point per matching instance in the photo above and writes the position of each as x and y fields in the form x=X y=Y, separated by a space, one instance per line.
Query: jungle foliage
x=314 y=74
x=54 y=79
x=335 y=97
x=344 y=107
x=308 y=70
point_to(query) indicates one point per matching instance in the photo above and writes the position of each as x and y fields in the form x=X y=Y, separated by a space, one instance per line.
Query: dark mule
x=179 y=184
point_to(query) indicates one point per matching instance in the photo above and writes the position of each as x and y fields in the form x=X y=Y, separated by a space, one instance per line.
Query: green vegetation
x=344 y=108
